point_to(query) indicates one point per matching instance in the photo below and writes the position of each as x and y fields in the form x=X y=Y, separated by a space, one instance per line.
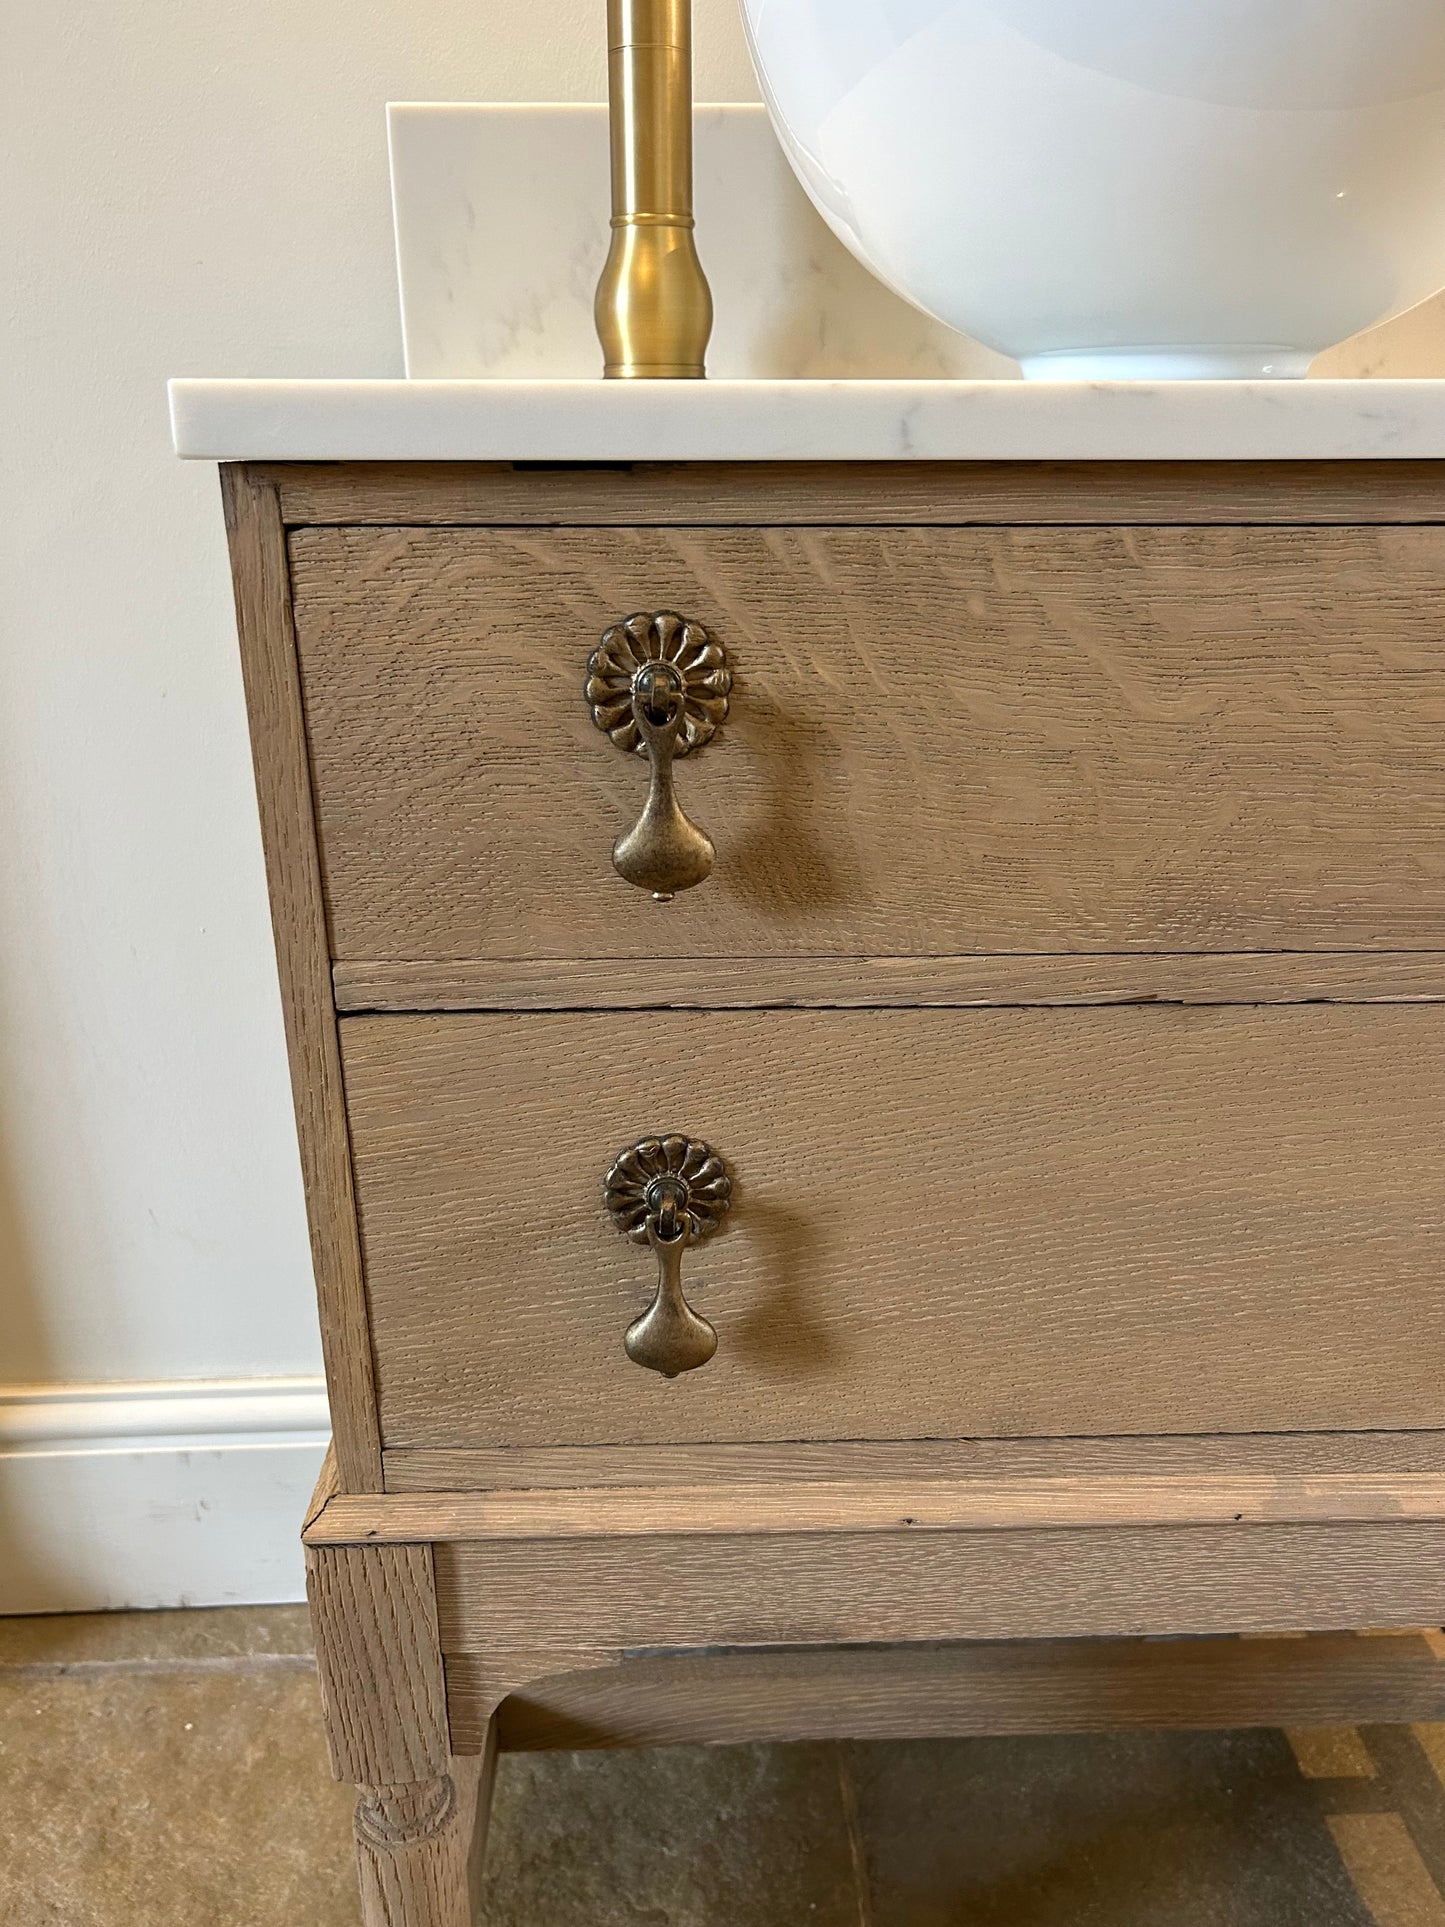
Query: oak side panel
x=944 y=493
x=942 y=741
x=373 y=1611
x=945 y=1224
x=288 y=832
x=958 y=1691
x=703 y=983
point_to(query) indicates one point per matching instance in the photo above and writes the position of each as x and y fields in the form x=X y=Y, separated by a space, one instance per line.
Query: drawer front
x=940 y=741
x=943 y=1224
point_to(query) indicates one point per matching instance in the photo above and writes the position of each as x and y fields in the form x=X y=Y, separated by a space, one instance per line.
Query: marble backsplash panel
x=501 y=224
x=501 y=221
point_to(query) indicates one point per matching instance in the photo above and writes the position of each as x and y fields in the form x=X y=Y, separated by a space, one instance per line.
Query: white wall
x=186 y=190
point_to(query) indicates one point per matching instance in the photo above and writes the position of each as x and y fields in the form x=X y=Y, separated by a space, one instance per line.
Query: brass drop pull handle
x=658 y=685
x=668 y=1193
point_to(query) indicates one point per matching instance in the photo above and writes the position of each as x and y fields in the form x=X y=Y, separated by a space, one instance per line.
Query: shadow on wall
x=1410 y=347
x=23 y=1349
x=23 y=1359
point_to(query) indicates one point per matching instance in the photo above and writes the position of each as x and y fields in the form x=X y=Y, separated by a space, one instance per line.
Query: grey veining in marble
x=597 y=421
x=501 y=229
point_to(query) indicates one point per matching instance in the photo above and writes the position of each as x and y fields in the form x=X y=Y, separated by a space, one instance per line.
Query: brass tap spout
x=654 y=307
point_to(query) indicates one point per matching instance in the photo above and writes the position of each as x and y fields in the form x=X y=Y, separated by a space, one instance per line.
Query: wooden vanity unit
x=1040 y=1102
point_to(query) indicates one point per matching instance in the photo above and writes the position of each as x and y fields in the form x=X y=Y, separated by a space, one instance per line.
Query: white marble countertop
x=597 y=421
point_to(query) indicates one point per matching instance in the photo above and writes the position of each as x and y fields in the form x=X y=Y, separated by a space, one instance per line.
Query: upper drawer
x=940 y=740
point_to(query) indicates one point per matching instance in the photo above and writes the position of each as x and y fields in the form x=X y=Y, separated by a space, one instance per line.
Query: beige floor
x=167 y=1768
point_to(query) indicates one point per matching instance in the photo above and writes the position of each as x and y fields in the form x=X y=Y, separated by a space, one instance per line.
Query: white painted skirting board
x=188 y=1492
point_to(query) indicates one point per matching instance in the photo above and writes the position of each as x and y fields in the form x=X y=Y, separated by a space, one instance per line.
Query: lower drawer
x=943 y=1223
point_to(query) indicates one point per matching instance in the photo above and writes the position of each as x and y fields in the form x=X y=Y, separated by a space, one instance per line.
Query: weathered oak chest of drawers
x=1026 y=1141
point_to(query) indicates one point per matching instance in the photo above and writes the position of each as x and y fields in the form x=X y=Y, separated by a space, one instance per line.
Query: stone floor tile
x=1388 y=1870
x=217 y=1632
x=1127 y=1830
x=744 y=1836
x=168 y=1768
x=171 y=1800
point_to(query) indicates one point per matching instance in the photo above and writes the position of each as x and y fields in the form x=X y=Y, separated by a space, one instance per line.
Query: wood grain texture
x=756 y=983
x=328 y=1485
x=948 y=493
x=606 y=1598
x=419 y=1848
x=373 y=1611
x=283 y=791
x=972 y=1224
x=942 y=741
x=945 y=1692
x=1283 y=1456
x=878 y=1505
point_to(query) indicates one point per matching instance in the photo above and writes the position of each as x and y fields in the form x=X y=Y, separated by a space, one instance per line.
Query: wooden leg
x=419 y=1847
x=418 y=1837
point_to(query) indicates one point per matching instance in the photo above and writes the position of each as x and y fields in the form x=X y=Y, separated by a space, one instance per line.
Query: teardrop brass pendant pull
x=669 y=1337
x=658 y=685
x=668 y=1193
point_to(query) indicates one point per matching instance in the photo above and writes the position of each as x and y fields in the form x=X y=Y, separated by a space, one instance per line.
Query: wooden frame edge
x=907 y=1507
x=965 y=1691
x=842 y=982
x=1304 y=493
x=261 y=581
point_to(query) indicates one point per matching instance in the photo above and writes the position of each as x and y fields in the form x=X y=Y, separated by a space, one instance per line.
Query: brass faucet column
x=654 y=308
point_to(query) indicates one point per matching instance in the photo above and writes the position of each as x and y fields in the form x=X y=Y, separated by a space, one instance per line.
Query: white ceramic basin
x=1114 y=188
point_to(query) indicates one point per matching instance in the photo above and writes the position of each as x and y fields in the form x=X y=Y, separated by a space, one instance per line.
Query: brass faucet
x=654 y=307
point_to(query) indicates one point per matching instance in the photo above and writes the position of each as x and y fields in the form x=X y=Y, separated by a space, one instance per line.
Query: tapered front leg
x=419 y=1847
x=420 y=1813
